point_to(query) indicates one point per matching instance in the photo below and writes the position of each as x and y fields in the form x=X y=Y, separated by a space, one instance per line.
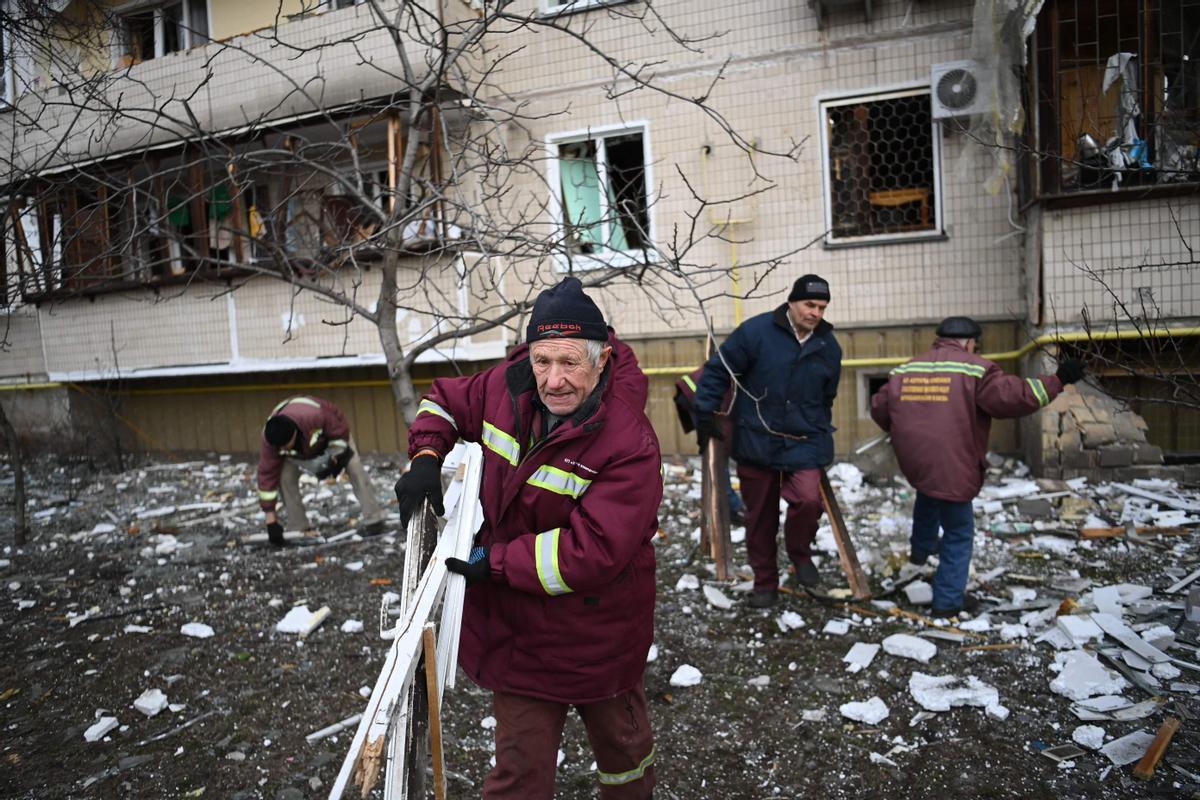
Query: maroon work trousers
x=761 y=491
x=529 y=731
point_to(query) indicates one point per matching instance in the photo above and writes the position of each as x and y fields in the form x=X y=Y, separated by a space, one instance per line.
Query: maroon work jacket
x=321 y=425
x=939 y=409
x=568 y=614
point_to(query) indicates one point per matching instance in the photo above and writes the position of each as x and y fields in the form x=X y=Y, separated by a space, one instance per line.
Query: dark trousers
x=956 y=523
x=529 y=731
x=761 y=490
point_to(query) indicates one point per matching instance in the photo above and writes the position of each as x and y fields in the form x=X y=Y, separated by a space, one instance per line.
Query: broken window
x=8 y=88
x=603 y=200
x=882 y=167
x=152 y=30
x=1117 y=84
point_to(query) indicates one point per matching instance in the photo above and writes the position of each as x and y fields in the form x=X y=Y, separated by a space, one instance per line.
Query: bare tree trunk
x=14 y=456
x=399 y=374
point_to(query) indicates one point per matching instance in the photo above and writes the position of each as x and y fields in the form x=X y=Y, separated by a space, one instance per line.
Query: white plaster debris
x=904 y=645
x=488 y=723
x=354 y=566
x=1082 y=676
x=837 y=627
x=1128 y=749
x=980 y=624
x=1158 y=636
x=1022 y=594
x=295 y=621
x=716 y=598
x=943 y=692
x=1107 y=599
x=1117 y=629
x=137 y=628
x=352 y=626
x=652 y=653
x=1010 y=632
x=871 y=712
x=686 y=675
x=919 y=593
x=687 y=581
x=860 y=656
x=197 y=630
x=1089 y=736
x=789 y=621
x=1080 y=628
x=997 y=711
x=813 y=715
x=151 y=702
x=878 y=758
x=760 y=682
x=101 y=728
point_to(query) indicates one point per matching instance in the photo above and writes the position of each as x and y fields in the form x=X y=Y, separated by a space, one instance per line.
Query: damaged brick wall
x=1087 y=433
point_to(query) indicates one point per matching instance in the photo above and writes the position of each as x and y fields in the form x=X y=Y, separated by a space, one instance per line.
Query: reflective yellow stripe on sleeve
x=1039 y=391
x=501 y=443
x=558 y=481
x=271 y=495
x=545 y=550
x=338 y=443
x=691 y=384
x=427 y=406
x=316 y=434
x=307 y=401
x=621 y=778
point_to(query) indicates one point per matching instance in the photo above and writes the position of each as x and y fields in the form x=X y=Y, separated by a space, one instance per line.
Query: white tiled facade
x=777 y=68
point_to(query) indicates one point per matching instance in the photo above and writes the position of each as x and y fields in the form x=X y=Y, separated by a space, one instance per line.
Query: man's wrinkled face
x=564 y=374
x=807 y=314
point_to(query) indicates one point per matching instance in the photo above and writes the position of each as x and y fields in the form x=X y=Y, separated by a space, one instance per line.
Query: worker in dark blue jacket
x=786 y=365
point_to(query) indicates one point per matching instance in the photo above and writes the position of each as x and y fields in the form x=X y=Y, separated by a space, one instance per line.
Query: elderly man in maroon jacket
x=560 y=609
x=938 y=408
x=309 y=434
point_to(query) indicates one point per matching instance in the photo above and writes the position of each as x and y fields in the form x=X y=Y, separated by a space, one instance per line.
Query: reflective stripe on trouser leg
x=528 y=733
x=619 y=731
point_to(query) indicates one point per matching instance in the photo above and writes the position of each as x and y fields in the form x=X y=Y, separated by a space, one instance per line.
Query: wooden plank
x=435 y=713
x=1145 y=768
x=846 y=554
x=1107 y=533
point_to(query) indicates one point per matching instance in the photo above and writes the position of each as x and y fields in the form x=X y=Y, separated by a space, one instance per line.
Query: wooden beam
x=429 y=643
x=1144 y=770
x=859 y=586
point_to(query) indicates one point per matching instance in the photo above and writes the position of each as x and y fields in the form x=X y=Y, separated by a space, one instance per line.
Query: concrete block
x=1070 y=440
x=1096 y=434
x=1125 y=429
x=1082 y=414
x=1040 y=508
x=1079 y=459
x=1147 y=454
x=1115 y=456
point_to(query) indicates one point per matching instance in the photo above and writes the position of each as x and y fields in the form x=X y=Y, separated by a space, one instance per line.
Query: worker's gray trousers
x=293 y=499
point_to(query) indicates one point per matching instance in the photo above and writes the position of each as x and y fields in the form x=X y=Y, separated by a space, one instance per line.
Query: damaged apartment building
x=206 y=200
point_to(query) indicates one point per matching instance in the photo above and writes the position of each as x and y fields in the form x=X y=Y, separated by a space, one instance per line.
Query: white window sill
x=873 y=241
x=578 y=7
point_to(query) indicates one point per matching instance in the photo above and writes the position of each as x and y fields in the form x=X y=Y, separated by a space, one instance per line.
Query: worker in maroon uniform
x=309 y=434
x=938 y=408
x=560 y=606
x=685 y=407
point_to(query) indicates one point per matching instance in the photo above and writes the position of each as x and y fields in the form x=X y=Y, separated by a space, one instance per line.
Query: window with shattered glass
x=882 y=168
x=603 y=195
x=1117 y=84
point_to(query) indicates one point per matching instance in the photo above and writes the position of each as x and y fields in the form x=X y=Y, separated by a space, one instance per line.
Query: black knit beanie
x=809 y=287
x=959 y=328
x=279 y=430
x=565 y=312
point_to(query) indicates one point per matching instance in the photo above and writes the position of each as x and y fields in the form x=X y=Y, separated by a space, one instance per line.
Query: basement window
x=881 y=155
x=602 y=204
x=147 y=31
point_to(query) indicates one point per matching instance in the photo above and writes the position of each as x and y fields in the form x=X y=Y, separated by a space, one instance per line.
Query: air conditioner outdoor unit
x=956 y=89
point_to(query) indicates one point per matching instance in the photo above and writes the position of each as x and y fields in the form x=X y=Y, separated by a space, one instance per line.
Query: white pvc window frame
x=598 y=134
x=187 y=38
x=9 y=76
x=549 y=8
x=833 y=100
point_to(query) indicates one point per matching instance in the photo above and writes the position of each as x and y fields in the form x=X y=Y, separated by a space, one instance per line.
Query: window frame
x=608 y=257
x=190 y=37
x=548 y=8
x=8 y=74
x=844 y=98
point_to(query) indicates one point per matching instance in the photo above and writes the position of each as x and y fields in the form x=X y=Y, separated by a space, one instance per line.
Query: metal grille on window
x=881 y=167
x=1118 y=88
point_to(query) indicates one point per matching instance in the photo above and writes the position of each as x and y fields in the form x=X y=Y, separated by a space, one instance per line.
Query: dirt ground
x=90 y=618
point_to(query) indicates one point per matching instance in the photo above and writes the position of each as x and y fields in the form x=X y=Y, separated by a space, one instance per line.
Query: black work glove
x=1070 y=371
x=422 y=481
x=479 y=568
x=707 y=428
x=275 y=534
x=336 y=465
